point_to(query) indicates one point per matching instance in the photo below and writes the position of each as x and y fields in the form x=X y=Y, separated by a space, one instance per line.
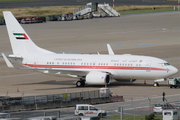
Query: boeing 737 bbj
x=91 y=69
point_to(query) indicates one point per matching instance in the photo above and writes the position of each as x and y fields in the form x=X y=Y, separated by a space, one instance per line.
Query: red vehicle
x=19 y=19
x=31 y=20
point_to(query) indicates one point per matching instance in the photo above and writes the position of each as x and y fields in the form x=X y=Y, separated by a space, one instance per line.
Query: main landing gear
x=156 y=84
x=80 y=83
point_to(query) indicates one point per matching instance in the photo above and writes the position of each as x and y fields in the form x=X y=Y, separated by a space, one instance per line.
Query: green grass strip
x=130 y=117
x=146 y=11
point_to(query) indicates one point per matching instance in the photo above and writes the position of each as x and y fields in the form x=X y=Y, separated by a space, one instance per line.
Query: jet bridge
x=85 y=11
x=108 y=10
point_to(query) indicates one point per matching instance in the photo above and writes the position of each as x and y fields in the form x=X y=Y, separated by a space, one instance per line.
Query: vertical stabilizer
x=21 y=43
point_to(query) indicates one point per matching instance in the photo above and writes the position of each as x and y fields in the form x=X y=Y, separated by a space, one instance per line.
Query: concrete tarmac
x=155 y=35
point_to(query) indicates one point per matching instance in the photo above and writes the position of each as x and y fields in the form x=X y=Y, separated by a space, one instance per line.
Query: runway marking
x=126 y=105
x=114 y=44
x=138 y=97
x=112 y=111
x=144 y=103
x=136 y=108
x=135 y=31
x=131 y=45
x=147 y=108
x=141 y=44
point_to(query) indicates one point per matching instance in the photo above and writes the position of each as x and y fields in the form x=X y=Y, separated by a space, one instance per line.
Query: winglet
x=110 y=51
x=9 y=64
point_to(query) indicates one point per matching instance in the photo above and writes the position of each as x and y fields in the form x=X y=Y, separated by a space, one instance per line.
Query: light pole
x=133 y=113
x=113 y=3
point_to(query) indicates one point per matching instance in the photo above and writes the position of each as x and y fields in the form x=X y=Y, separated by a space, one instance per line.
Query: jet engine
x=98 y=78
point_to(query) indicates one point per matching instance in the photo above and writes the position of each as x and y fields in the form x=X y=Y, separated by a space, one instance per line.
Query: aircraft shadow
x=71 y=84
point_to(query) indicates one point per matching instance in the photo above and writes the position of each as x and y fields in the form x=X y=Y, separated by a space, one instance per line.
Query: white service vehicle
x=88 y=110
x=4 y=115
x=171 y=114
x=174 y=82
x=158 y=108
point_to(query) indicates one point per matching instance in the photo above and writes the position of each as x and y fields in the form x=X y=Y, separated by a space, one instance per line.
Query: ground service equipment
x=88 y=110
x=174 y=82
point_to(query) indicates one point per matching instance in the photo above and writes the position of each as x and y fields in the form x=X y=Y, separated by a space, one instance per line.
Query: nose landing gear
x=156 y=84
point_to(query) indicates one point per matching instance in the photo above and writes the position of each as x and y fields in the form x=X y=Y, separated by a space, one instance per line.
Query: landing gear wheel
x=156 y=84
x=100 y=115
x=80 y=84
x=81 y=114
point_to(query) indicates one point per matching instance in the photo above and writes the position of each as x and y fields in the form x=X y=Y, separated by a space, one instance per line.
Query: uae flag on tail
x=20 y=35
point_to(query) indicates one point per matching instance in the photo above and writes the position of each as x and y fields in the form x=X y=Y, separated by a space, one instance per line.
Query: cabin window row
x=88 y=64
x=103 y=64
x=100 y=64
x=64 y=63
x=122 y=64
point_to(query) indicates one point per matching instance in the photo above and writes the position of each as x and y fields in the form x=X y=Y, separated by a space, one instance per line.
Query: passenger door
x=35 y=62
x=82 y=110
x=148 y=66
x=93 y=111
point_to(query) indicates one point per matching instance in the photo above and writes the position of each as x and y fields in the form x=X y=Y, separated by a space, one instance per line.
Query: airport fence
x=55 y=100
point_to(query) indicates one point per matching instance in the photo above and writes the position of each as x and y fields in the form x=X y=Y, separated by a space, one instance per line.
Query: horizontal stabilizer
x=15 y=56
x=9 y=64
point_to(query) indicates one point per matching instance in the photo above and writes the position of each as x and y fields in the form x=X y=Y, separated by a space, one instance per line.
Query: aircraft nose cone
x=174 y=70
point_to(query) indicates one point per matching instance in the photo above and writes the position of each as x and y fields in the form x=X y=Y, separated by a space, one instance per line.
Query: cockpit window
x=163 y=64
x=166 y=64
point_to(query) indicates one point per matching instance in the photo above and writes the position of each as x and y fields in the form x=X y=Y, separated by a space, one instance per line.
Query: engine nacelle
x=98 y=78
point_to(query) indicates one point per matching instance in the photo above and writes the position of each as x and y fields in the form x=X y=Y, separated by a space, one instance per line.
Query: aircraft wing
x=56 y=71
x=70 y=73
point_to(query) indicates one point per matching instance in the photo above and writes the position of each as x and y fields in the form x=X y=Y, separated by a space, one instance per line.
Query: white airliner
x=91 y=69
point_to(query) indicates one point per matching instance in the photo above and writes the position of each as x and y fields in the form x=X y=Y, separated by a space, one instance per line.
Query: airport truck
x=174 y=82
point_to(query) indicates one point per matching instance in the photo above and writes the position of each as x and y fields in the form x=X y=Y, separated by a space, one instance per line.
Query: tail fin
x=21 y=43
